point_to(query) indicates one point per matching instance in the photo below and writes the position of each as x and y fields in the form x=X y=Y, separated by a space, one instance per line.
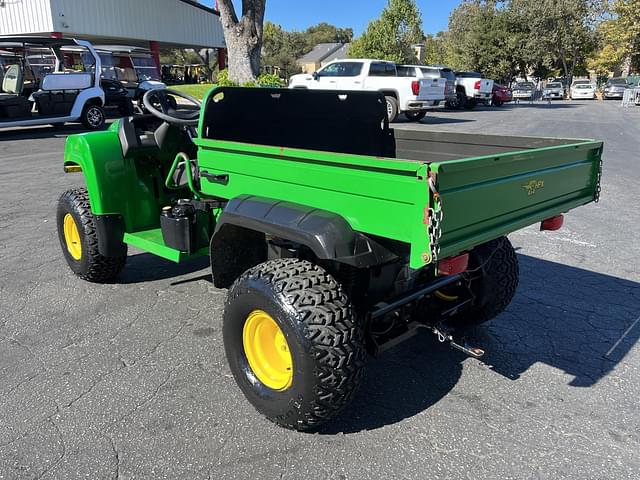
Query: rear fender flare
x=328 y=235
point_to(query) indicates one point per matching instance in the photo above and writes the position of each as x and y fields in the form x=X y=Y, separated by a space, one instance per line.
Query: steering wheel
x=169 y=110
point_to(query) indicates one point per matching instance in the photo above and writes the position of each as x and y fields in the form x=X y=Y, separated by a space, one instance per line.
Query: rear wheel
x=494 y=273
x=470 y=104
x=93 y=117
x=78 y=236
x=415 y=116
x=392 y=108
x=293 y=343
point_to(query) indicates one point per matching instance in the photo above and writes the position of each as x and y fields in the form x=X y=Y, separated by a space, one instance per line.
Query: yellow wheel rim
x=267 y=351
x=72 y=237
x=445 y=297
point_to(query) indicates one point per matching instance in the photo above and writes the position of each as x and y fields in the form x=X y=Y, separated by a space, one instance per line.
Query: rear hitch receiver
x=461 y=344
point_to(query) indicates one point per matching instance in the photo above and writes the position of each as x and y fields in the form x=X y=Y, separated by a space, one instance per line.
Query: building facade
x=152 y=24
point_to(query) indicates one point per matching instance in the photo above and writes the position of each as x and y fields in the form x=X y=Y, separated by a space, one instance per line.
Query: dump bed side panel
x=376 y=196
x=487 y=197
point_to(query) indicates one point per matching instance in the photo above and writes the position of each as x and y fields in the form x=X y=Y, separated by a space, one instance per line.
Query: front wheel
x=93 y=117
x=293 y=343
x=415 y=116
x=78 y=235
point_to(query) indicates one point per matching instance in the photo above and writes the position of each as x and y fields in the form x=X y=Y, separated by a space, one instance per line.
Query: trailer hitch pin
x=474 y=352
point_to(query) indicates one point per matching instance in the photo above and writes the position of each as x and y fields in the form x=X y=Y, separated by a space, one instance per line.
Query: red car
x=501 y=95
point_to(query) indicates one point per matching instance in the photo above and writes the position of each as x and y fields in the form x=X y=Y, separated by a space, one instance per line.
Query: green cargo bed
x=343 y=158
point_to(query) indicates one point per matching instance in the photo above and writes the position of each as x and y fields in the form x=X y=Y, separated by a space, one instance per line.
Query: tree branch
x=228 y=12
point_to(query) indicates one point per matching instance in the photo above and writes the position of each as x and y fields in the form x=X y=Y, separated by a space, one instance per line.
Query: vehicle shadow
x=571 y=319
x=526 y=104
x=47 y=131
x=433 y=120
x=145 y=267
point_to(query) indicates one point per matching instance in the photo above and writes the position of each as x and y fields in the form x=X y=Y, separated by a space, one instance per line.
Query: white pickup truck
x=471 y=89
x=411 y=96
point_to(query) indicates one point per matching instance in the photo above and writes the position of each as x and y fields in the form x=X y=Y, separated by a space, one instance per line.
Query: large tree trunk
x=243 y=38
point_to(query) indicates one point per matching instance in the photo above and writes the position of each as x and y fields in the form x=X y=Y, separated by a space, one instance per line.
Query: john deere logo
x=533 y=186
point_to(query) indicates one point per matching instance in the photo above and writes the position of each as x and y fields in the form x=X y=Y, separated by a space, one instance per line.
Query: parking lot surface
x=129 y=380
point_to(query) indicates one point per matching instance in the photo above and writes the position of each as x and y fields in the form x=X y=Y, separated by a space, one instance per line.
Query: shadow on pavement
x=431 y=120
x=46 y=131
x=571 y=319
x=146 y=267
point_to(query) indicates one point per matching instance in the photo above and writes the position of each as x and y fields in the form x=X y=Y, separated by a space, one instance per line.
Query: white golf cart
x=49 y=81
x=134 y=67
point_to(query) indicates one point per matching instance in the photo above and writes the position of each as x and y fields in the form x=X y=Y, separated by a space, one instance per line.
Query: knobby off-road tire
x=87 y=262
x=325 y=341
x=496 y=282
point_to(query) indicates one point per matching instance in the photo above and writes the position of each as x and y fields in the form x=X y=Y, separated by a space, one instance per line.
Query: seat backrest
x=334 y=121
x=13 y=80
x=66 y=81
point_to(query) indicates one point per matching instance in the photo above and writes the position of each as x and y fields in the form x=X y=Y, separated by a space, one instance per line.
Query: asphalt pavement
x=129 y=380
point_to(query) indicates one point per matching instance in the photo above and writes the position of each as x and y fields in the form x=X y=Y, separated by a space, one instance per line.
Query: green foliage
x=223 y=79
x=281 y=48
x=618 y=38
x=391 y=36
x=270 y=80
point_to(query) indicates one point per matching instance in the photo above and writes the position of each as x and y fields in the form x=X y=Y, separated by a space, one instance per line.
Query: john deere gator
x=335 y=235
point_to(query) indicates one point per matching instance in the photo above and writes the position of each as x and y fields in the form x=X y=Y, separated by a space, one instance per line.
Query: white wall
x=25 y=16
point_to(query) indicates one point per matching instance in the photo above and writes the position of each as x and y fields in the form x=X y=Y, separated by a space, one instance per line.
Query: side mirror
x=315 y=75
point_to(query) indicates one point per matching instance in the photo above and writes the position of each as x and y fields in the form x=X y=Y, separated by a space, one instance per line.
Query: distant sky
x=300 y=14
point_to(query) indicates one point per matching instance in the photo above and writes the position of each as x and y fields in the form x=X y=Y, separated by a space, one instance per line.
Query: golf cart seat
x=59 y=91
x=12 y=104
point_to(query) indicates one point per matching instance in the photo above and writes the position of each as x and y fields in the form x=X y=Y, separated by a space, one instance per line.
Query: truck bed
x=425 y=146
x=335 y=152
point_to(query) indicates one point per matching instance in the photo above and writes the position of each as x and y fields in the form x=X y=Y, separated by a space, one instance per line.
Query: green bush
x=264 y=80
x=270 y=80
x=223 y=79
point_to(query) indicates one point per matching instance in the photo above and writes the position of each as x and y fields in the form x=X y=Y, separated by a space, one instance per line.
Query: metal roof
x=18 y=41
x=320 y=52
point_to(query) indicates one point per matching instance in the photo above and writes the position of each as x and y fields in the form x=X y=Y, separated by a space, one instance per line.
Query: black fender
x=328 y=235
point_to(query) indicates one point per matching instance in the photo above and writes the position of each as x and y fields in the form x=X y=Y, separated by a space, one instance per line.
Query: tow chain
x=435 y=221
x=596 y=196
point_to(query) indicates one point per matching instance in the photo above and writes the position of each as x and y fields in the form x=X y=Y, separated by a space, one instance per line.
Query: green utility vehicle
x=335 y=235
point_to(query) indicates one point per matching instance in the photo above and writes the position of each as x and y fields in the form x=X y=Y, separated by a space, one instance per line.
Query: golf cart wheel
x=392 y=108
x=415 y=116
x=78 y=236
x=494 y=274
x=293 y=343
x=93 y=117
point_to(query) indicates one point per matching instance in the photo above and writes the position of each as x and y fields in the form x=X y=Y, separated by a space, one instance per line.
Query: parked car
x=432 y=71
x=408 y=95
x=553 y=90
x=583 y=91
x=471 y=89
x=636 y=95
x=53 y=81
x=501 y=95
x=615 y=88
x=524 y=91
